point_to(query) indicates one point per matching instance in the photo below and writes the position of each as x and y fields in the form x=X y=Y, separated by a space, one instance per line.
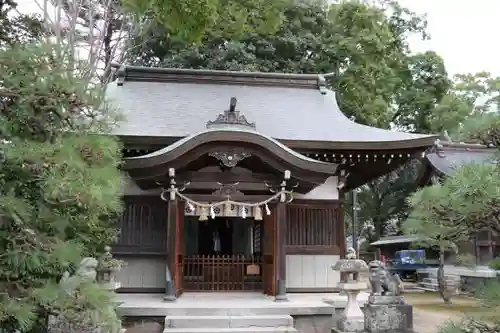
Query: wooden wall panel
x=314 y=227
x=142 y=274
x=311 y=273
x=143 y=227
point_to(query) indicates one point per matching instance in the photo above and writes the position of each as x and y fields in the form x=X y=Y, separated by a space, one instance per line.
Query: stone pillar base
x=169 y=292
x=281 y=292
x=388 y=314
x=352 y=320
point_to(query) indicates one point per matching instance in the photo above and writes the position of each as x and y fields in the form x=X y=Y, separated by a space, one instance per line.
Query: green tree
x=382 y=203
x=18 y=28
x=59 y=186
x=364 y=47
x=455 y=209
x=190 y=20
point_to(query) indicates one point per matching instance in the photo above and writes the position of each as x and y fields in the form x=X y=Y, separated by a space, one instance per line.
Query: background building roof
x=449 y=156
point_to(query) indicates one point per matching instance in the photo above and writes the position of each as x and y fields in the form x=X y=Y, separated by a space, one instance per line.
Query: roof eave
x=424 y=143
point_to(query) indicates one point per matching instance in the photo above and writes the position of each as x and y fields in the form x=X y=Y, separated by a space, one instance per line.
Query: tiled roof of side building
x=448 y=156
x=177 y=103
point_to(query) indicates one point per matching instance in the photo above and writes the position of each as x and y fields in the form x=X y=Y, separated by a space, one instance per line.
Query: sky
x=463 y=32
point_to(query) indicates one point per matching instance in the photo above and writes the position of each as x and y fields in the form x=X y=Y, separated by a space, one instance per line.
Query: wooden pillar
x=281 y=225
x=172 y=218
x=170 y=290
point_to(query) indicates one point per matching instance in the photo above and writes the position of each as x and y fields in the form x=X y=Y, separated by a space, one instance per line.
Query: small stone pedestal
x=352 y=319
x=388 y=314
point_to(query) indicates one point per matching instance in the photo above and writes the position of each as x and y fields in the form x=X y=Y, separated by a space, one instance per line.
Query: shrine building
x=235 y=181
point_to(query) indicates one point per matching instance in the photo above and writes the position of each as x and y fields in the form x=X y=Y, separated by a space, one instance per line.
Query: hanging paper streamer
x=257 y=213
x=227 y=209
x=268 y=211
x=203 y=214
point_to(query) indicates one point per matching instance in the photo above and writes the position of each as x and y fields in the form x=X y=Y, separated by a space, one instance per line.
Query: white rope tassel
x=268 y=211
x=243 y=212
x=257 y=213
x=212 y=212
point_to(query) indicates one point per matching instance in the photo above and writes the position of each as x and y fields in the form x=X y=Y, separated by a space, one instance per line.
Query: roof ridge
x=462 y=145
x=125 y=73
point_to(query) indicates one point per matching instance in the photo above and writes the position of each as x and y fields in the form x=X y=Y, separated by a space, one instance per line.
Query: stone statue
x=351 y=253
x=383 y=282
x=86 y=272
x=386 y=310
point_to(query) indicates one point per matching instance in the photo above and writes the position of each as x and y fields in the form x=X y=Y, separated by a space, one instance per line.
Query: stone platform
x=237 y=312
x=223 y=303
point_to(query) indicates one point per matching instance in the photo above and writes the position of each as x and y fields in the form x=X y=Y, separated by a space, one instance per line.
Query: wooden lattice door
x=269 y=254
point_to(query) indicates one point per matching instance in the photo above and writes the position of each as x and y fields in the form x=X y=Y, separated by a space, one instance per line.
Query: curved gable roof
x=228 y=134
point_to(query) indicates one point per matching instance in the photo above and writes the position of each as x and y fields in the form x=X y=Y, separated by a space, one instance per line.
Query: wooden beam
x=228 y=177
x=212 y=187
x=214 y=198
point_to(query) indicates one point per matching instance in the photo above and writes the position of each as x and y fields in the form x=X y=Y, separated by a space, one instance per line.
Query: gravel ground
x=425 y=321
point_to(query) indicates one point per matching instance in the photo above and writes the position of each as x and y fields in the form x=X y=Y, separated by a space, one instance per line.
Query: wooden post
x=170 y=291
x=281 y=222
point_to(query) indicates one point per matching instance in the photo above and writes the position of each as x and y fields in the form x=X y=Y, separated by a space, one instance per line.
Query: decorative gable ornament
x=231 y=117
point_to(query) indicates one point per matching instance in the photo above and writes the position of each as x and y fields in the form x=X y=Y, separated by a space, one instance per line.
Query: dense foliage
x=364 y=46
x=190 y=20
x=454 y=209
x=59 y=186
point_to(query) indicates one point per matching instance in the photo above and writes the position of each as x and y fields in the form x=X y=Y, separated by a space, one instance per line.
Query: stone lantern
x=108 y=267
x=352 y=319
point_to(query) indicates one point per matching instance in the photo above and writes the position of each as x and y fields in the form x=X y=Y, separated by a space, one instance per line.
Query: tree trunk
x=444 y=291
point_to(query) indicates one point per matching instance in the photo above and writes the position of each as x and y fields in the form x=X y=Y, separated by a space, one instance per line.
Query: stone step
x=228 y=321
x=427 y=289
x=285 y=308
x=427 y=280
x=255 y=329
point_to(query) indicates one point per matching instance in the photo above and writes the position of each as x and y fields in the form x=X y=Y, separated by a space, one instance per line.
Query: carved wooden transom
x=230 y=158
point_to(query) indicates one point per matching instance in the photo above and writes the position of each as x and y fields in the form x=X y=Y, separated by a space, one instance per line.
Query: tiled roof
x=179 y=102
x=449 y=156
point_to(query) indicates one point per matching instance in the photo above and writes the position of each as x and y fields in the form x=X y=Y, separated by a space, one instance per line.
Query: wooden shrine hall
x=235 y=181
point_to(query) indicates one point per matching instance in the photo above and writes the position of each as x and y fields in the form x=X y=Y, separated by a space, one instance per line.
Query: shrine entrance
x=222 y=254
x=227 y=189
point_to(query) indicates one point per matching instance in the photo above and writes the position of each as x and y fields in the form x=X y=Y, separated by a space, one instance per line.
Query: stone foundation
x=388 y=314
